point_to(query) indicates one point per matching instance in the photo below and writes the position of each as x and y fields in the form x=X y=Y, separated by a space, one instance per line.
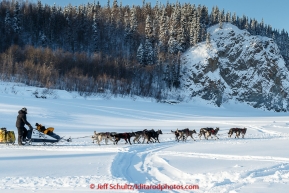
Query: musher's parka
x=20 y=122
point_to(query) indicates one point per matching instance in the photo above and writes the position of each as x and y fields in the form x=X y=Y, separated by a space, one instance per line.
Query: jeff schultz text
x=107 y=186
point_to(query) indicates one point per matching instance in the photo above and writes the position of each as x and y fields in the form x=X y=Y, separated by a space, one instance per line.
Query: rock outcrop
x=236 y=66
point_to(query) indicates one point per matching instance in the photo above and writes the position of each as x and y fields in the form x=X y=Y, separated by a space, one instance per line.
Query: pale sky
x=274 y=12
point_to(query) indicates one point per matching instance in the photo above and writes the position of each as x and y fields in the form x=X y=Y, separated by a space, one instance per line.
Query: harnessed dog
x=238 y=131
x=138 y=135
x=209 y=132
x=189 y=134
x=149 y=135
x=155 y=135
x=102 y=135
x=184 y=133
x=177 y=135
x=125 y=136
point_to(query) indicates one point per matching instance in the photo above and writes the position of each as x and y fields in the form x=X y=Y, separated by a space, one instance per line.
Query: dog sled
x=42 y=135
x=7 y=137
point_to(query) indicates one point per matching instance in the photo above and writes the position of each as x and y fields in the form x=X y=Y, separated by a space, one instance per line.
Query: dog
x=177 y=134
x=102 y=135
x=189 y=134
x=138 y=135
x=209 y=132
x=181 y=134
x=238 y=131
x=151 y=135
x=155 y=134
x=147 y=135
x=125 y=136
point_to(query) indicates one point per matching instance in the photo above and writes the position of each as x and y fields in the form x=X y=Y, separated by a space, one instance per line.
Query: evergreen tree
x=220 y=20
x=175 y=26
x=203 y=22
x=149 y=38
x=167 y=76
x=141 y=54
x=40 y=20
x=182 y=40
x=7 y=22
x=148 y=53
x=193 y=28
x=247 y=26
x=208 y=40
x=234 y=19
x=43 y=39
x=53 y=26
x=70 y=37
x=133 y=25
x=228 y=17
x=127 y=29
x=95 y=34
x=164 y=33
x=215 y=15
x=192 y=35
x=114 y=12
x=149 y=29
x=17 y=19
x=197 y=30
x=262 y=28
x=253 y=27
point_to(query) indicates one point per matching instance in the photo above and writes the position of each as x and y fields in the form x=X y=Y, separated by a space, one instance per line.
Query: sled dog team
x=153 y=136
x=149 y=135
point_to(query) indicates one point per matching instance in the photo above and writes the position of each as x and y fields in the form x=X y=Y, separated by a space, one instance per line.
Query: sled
x=36 y=136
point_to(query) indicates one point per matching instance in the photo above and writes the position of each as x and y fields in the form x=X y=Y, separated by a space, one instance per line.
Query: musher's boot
x=20 y=141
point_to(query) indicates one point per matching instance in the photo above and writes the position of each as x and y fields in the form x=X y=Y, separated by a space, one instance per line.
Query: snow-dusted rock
x=237 y=66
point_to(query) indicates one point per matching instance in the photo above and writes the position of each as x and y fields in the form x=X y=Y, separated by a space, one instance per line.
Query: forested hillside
x=124 y=50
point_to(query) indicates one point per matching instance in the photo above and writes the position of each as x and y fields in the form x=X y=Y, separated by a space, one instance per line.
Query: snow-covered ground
x=258 y=163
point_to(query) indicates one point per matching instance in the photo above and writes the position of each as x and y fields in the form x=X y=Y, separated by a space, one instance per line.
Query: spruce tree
x=234 y=19
x=175 y=26
x=141 y=54
x=149 y=53
x=163 y=36
x=149 y=38
x=17 y=19
x=95 y=33
x=208 y=40
x=220 y=20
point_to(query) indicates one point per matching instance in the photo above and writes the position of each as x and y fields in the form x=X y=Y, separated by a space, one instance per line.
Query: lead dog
x=238 y=131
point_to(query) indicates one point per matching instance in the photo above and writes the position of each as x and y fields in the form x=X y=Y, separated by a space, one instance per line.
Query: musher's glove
x=30 y=127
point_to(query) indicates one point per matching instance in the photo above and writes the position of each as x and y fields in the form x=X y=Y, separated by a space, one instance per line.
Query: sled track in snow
x=144 y=163
x=130 y=165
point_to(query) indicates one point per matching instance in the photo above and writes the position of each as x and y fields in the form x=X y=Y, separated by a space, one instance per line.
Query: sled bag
x=2 y=136
x=7 y=136
x=10 y=137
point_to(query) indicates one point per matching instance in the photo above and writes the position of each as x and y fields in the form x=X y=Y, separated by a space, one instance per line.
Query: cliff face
x=236 y=66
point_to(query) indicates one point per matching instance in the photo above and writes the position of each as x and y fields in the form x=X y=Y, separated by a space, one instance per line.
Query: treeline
x=88 y=75
x=126 y=50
